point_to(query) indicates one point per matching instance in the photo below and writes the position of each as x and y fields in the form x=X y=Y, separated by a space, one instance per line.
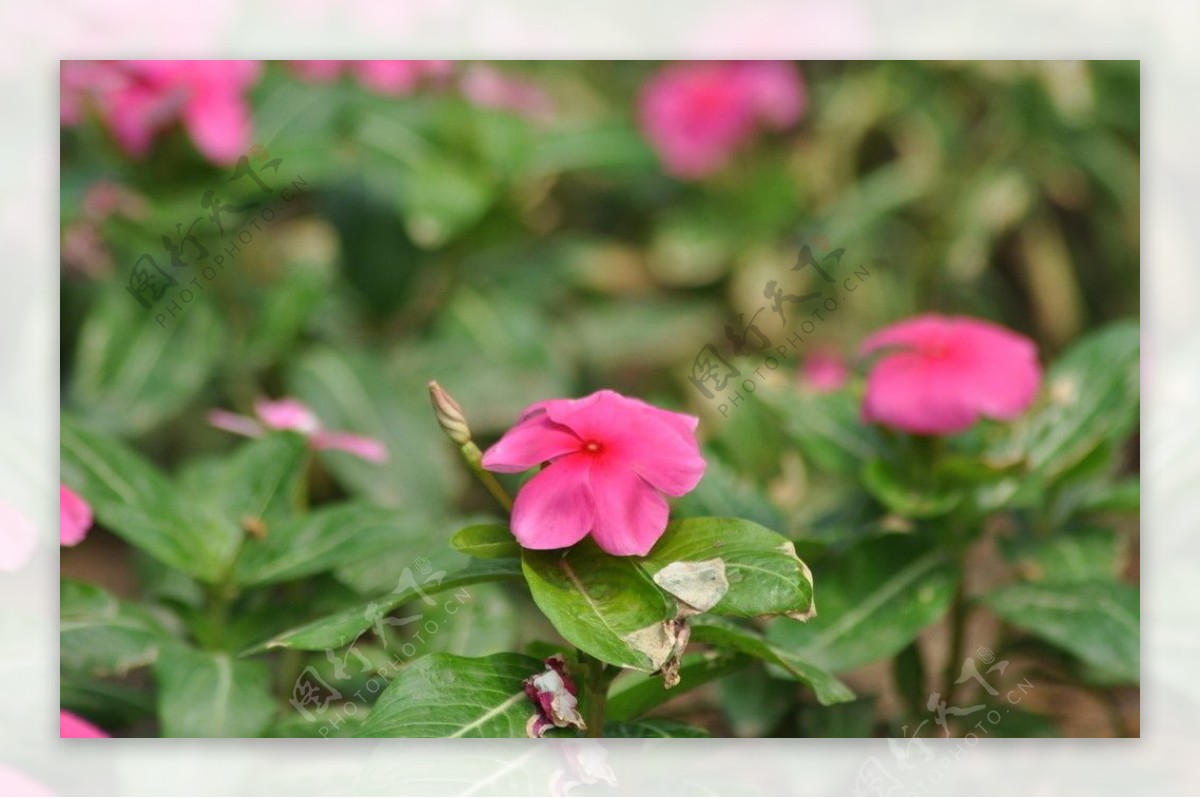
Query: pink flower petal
x=71 y=725
x=235 y=423
x=630 y=514
x=554 y=509
x=288 y=414
x=218 y=120
x=529 y=444
x=74 y=517
x=18 y=538
x=655 y=443
x=367 y=448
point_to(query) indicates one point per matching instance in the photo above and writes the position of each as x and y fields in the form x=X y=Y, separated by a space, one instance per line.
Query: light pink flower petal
x=14 y=782
x=388 y=77
x=904 y=391
x=74 y=517
x=71 y=725
x=997 y=370
x=135 y=114
x=630 y=514
x=235 y=423
x=532 y=442
x=367 y=448
x=18 y=538
x=554 y=509
x=218 y=120
x=824 y=372
x=657 y=444
x=288 y=414
x=774 y=91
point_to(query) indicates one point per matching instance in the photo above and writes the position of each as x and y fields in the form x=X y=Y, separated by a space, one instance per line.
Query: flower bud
x=449 y=415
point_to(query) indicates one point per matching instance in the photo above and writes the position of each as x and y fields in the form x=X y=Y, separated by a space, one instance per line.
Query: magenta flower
x=938 y=375
x=823 y=372
x=291 y=414
x=71 y=725
x=610 y=460
x=18 y=538
x=139 y=99
x=385 y=77
x=489 y=87
x=74 y=517
x=696 y=115
x=554 y=694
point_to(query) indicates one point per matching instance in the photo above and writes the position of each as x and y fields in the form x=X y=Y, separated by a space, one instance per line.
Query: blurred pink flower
x=71 y=725
x=385 y=77
x=489 y=87
x=14 y=782
x=611 y=459
x=74 y=517
x=18 y=538
x=938 y=375
x=697 y=114
x=293 y=415
x=824 y=371
x=139 y=99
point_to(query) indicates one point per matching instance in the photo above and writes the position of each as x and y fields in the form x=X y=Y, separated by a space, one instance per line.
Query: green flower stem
x=597 y=677
x=474 y=459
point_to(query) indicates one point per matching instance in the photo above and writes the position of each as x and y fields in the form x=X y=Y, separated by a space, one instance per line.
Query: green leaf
x=442 y=695
x=874 y=600
x=1097 y=620
x=1091 y=396
x=104 y=636
x=897 y=491
x=729 y=566
x=604 y=605
x=826 y=427
x=1074 y=554
x=110 y=705
x=326 y=539
x=485 y=620
x=754 y=702
x=653 y=727
x=726 y=635
x=486 y=541
x=852 y=719
x=133 y=499
x=263 y=479
x=725 y=493
x=131 y=373
x=343 y=628
x=210 y=694
x=636 y=694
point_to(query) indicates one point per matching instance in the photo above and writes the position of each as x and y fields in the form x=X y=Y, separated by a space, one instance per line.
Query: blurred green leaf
x=636 y=694
x=132 y=372
x=263 y=479
x=653 y=727
x=896 y=489
x=754 y=702
x=826 y=427
x=871 y=602
x=1096 y=620
x=210 y=694
x=133 y=499
x=442 y=695
x=102 y=635
x=486 y=541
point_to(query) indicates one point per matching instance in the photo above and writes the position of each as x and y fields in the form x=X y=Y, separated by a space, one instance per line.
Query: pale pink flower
x=824 y=371
x=386 y=77
x=139 y=99
x=18 y=538
x=697 y=114
x=71 y=725
x=939 y=375
x=489 y=87
x=293 y=415
x=74 y=517
x=14 y=782
x=610 y=460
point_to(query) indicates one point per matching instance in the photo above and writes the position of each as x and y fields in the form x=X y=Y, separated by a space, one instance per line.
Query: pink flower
x=71 y=725
x=293 y=415
x=696 y=115
x=610 y=460
x=18 y=538
x=74 y=517
x=385 y=77
x=554 y=694
x=823 y=372
x=139 y=99
x=939 y=375
x=488 y=87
